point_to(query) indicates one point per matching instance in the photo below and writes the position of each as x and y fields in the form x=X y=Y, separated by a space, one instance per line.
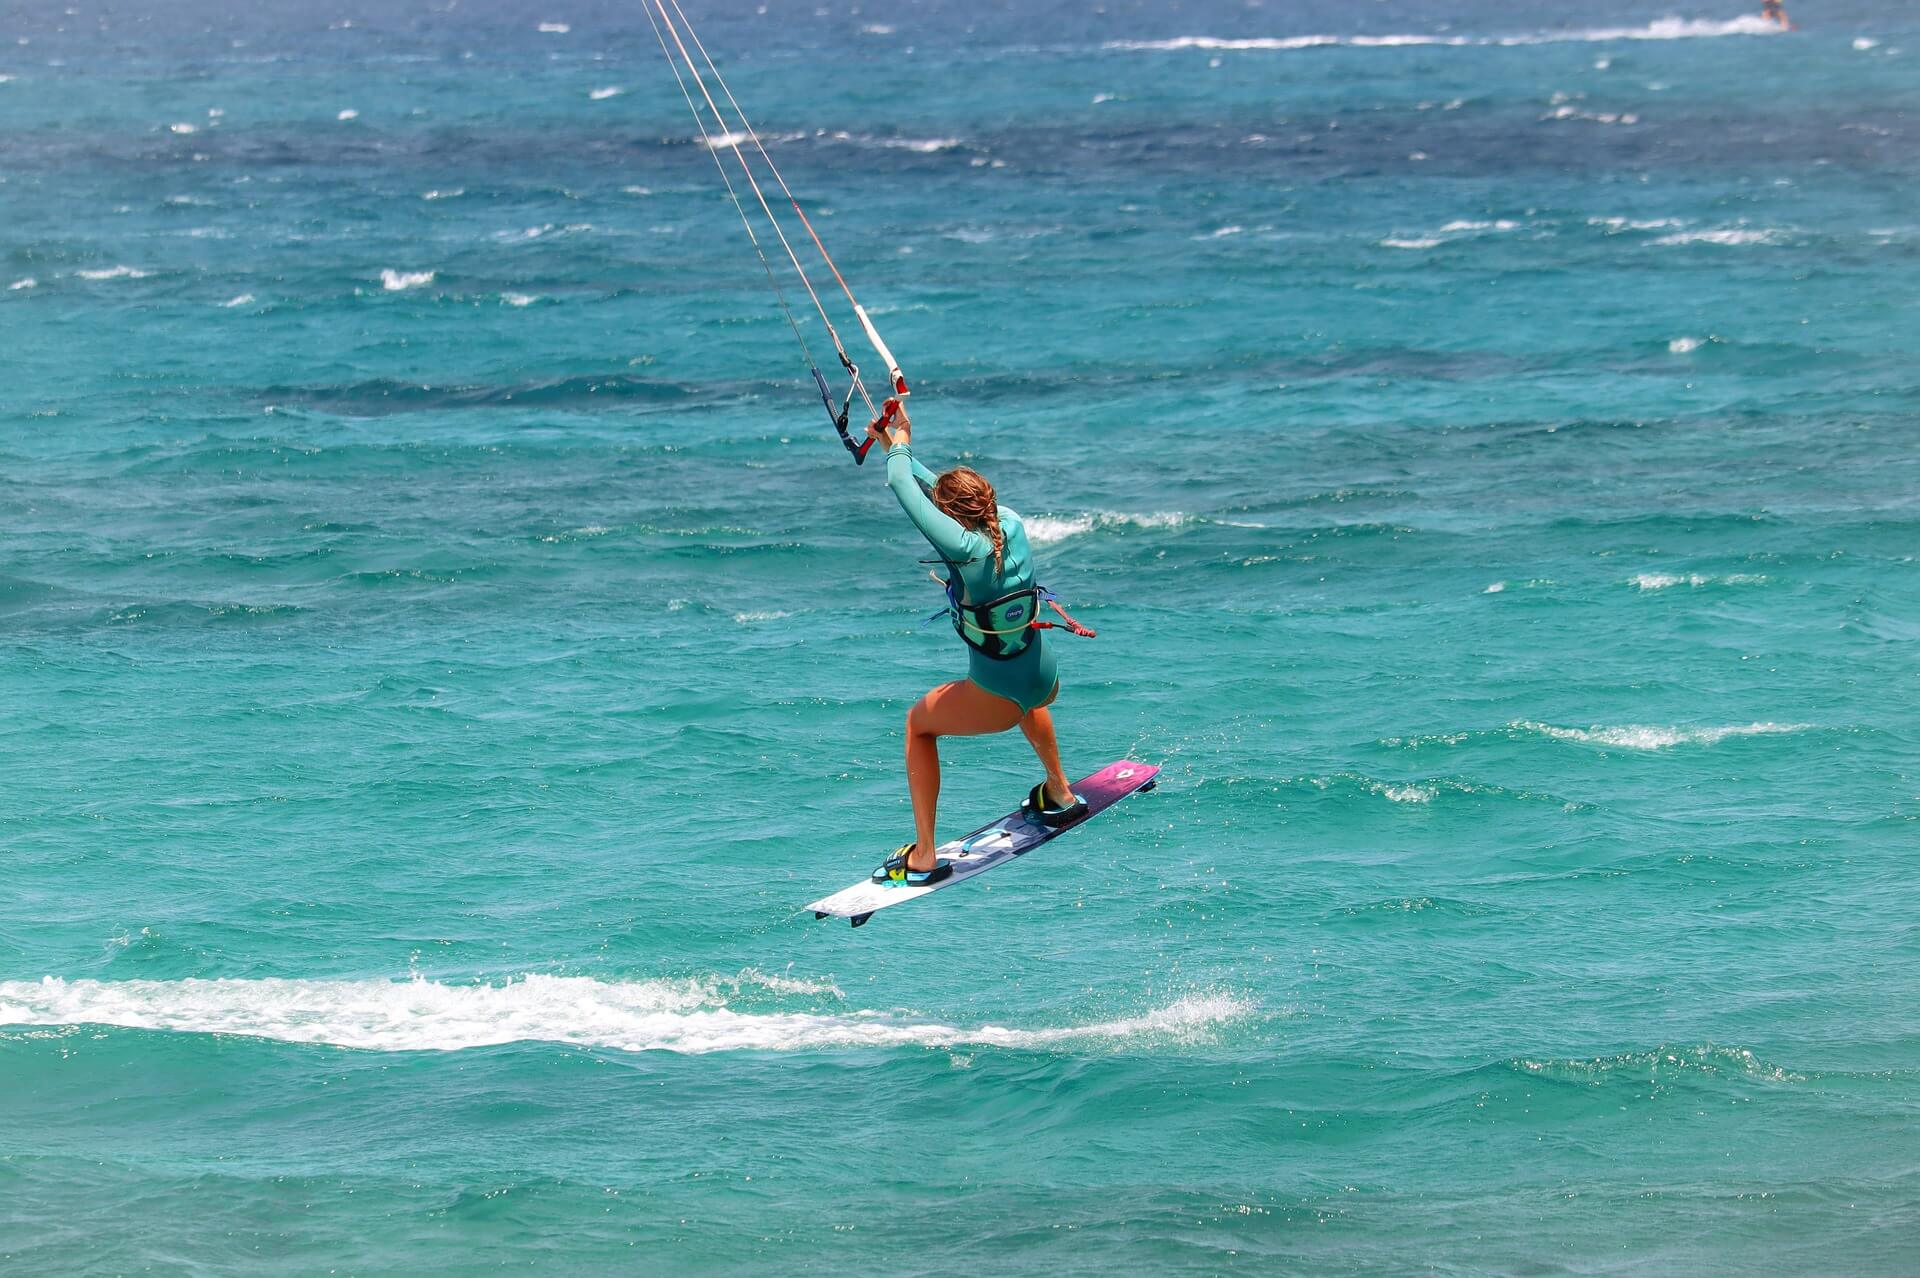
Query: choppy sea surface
x=443 y=648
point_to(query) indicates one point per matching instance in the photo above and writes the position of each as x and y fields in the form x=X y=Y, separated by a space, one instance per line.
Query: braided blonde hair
x=967 y=496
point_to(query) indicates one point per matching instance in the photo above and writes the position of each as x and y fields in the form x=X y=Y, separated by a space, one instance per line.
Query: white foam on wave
x=241 y=300
x=715 y=141
x=543 y=230
x=454 y=194
x=348 y=114
x=1685 y=345
x=518 y=299
x=1659 y=29
x=1266 y=43
x=114 y=273
x=1614 y=225
x=27 y=282
x=1662 y=29
x=780 y=983
x=921 y=146
x=601 y=95
x=689 y=1016
x=1569 y=112
x=771 y=614
x=1864 y=43
x=1667 y=580
x=1043 y=530
x=554 y=28
x=1647 y=737
x=1731 y=235
x=1459 y=228
x=394 y=281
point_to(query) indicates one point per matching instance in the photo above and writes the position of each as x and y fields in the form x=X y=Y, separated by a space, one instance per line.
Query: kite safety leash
x=1065 y=623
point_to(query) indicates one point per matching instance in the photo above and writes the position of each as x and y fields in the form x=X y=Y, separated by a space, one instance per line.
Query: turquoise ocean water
x=442 y=647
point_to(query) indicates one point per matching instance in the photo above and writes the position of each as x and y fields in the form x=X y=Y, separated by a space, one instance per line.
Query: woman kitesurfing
x=993 y=598
x=994 y=601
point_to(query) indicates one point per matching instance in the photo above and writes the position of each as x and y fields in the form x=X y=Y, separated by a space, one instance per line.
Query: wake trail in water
x=687 y=1016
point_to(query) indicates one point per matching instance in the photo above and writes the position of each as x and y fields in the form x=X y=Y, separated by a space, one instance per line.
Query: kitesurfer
x=1774 y=11
x=993 y=599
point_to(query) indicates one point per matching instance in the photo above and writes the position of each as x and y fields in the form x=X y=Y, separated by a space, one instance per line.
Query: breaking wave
x=1044 y=530
x=396 y=281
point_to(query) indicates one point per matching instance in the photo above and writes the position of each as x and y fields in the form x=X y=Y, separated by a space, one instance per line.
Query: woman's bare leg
x=1037 y=725
x=960 y=709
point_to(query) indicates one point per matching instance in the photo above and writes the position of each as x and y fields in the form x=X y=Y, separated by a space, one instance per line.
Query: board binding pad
x=995 y=843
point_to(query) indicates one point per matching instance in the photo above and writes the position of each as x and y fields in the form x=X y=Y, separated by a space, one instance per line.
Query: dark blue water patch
x=383 y=397
x=623 y=392
x=1504 y=140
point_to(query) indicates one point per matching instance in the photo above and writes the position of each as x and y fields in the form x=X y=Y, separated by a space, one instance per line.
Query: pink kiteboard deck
x=996 y=843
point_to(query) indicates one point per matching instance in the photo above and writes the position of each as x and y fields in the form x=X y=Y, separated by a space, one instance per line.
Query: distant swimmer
x=994 y=602
x=1775 y=11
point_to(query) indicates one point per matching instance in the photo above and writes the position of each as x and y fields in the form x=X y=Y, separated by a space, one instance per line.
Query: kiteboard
x=996 y=843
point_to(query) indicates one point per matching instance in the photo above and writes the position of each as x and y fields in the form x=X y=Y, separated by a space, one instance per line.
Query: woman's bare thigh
x=962 y=709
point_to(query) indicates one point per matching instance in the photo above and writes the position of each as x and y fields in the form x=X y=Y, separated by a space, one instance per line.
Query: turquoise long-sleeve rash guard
x=1029 y=677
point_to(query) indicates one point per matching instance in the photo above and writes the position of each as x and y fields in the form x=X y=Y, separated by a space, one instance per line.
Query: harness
x=1001 y=628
